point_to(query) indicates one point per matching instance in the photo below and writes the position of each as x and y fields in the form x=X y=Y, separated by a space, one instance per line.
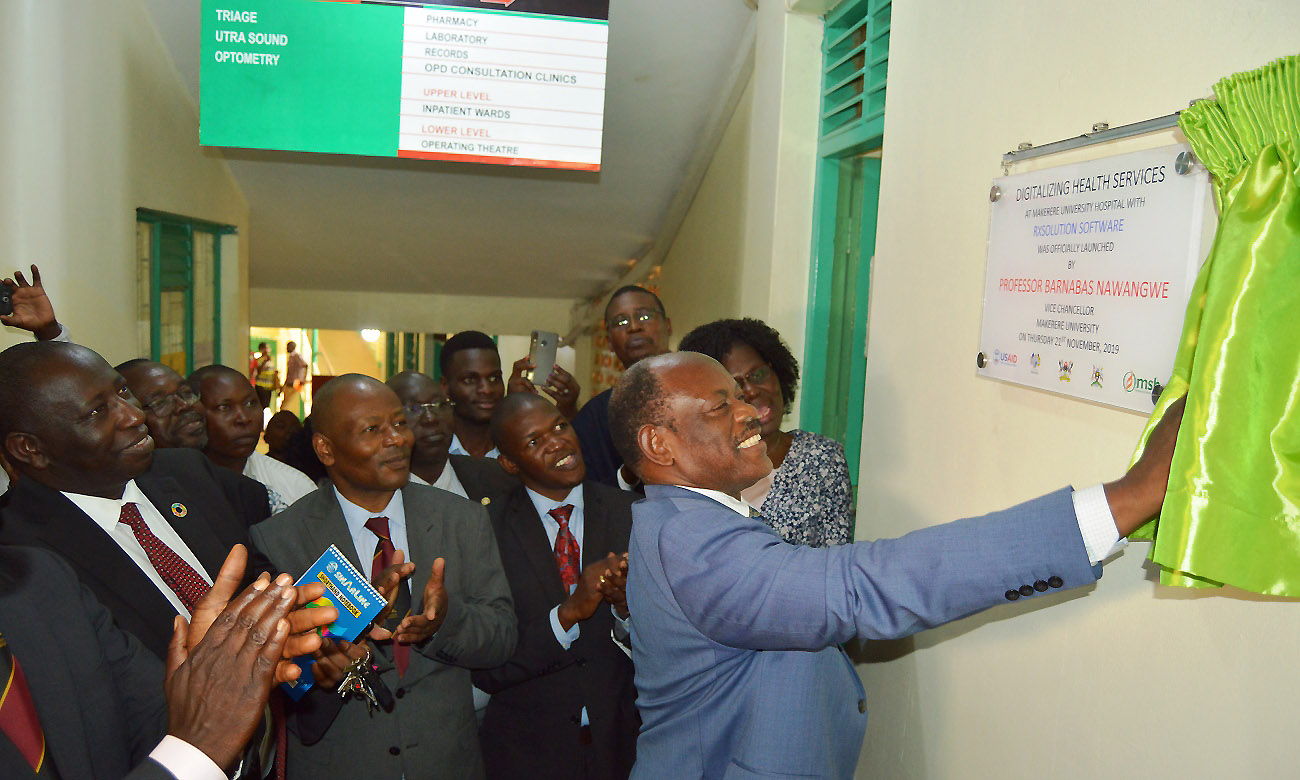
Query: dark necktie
x=186 y=583
x=567 y=555
x=384 y=550
x=18 y=719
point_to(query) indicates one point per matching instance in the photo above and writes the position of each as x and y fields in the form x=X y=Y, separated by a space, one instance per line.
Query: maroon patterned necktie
x=383 y=558
x=188 y=585
x=567 y=555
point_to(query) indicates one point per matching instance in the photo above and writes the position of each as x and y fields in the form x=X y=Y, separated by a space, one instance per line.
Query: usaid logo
x=1006 y=359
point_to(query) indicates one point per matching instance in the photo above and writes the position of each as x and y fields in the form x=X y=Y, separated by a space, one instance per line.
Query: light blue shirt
x=552 y=527
x=365 y=540
x=456 y=448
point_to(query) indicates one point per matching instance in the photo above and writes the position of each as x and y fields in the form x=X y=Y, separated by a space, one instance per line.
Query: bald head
x=333 y=405
x=69 y=421
x=362 y=438
x=683 y=420
x=410 y=383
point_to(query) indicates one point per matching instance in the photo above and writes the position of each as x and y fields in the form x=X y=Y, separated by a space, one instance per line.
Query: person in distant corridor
x=295 y=378
x=460 y=614
x=638 y=328
x=563 y=706
x=263 y=374
x=471 y=377
x=233 y=415
x=279 y=433
x=429 y=416
x=736 y=635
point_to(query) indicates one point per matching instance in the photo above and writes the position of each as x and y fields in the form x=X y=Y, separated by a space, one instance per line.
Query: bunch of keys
x=362 y=682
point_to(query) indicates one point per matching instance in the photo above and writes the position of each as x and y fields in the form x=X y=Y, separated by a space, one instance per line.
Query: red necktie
x=18 y=719
x=567 y=555
x=382 y=560
x=179 y=575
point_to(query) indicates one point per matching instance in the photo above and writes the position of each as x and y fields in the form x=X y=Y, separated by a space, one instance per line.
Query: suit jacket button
x=1040 y=586
x=1012 y=595
x=862 y=706
x=1055 y=581
x=394 y=750
x=1026 y=590
x=400 y=692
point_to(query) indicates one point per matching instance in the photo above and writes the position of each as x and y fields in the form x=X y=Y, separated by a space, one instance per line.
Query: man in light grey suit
x=738 y=668
x=461 y=615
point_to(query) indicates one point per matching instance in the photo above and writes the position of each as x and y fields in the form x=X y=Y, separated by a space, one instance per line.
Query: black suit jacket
x=97 y=691
x=531 y=728
x=482 y=478
x=248 y=497
x=39 y=516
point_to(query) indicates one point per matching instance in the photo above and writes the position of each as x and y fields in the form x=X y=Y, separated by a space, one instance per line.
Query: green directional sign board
x=514 y=82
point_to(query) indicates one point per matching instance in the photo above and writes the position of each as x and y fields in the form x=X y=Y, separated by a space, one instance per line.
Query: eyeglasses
x=642 y=316
x=166 y=404
x=437 y=407
x=756 y=377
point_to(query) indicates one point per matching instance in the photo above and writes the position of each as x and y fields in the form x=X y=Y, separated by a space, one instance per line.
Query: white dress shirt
x=364 y=540
x=106 y=512
x=284 y=483
x=1091 y=510
x=457 y=448
x=447 y=481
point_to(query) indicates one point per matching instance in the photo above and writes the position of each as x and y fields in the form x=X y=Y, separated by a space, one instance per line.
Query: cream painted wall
x=744 y=248
x=700 y=281
x=1125 y=679
x=95 y=122
x=349 y=310
x=341 y=352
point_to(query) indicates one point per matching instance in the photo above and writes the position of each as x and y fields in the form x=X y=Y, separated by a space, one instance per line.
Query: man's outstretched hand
x=32 y=308
x=303 y=621
x=1137 y=496
x=216 y=692
x=419 y=626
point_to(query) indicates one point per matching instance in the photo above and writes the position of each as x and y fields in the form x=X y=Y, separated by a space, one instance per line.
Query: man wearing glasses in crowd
x=429 y=414
x=638 y=328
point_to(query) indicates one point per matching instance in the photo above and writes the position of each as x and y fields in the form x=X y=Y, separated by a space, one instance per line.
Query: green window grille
x=855 y=65
x=179 y=290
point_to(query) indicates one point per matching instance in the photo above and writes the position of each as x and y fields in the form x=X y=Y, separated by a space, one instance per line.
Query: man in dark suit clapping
x=563 y=706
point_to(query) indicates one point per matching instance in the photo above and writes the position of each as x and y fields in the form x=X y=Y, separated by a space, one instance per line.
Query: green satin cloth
x=1232 y=511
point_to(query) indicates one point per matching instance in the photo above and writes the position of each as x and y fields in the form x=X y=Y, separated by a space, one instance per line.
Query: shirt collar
x=95 y=506
x=734 y=504
x=544 y=504
x=356 y=516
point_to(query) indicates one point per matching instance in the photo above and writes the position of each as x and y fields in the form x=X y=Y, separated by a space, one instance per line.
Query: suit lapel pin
x=179 y=509
x=485 y=500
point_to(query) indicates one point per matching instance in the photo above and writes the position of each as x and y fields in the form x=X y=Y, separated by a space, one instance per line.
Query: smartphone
x=541 y=353
x=7 y=302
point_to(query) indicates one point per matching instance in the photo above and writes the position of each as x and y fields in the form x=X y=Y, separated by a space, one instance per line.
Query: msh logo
x=1004 y=358
x=1134 y=382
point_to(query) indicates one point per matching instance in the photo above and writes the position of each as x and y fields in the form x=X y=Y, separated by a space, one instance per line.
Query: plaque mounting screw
x=1183 y=163
x=995 y=194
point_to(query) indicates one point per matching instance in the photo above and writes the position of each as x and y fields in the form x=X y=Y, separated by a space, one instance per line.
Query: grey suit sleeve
x=479 y=631
x=741 y=586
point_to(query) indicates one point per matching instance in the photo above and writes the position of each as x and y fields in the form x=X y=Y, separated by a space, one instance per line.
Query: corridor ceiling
x=336 y=222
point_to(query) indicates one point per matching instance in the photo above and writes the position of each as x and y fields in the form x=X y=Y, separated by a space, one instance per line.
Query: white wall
x=95 y=122
x=1126 y=679
x=744 y=247
x=410 y=312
